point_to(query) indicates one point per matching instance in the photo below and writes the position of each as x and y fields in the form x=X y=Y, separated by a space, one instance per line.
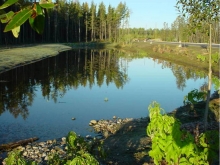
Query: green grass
x=181 y=55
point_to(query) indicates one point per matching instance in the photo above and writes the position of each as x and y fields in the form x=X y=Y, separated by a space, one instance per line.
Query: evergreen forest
x=73 y=21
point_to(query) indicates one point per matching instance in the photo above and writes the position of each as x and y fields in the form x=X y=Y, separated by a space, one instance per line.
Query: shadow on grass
x=129 y=145
x=91 y=45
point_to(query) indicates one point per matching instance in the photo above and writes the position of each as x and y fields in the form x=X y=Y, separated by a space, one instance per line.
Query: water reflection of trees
x=56 y=75
x=182 y=73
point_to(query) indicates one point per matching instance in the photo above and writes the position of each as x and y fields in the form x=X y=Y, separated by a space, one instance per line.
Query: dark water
x=41 y=99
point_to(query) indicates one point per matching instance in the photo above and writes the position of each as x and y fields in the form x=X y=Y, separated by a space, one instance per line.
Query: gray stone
x=93 y=122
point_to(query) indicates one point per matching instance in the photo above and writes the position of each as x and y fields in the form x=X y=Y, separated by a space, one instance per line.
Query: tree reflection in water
x=70 y=70
x=183 y=73
x=57 y=75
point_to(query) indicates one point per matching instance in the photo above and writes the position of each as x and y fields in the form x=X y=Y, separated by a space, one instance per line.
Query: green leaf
x=8 y=3
x=161 y=146
x=16 y=31
x=37 y=23
x=46 y=5
x=18 y=19
x=31 y=22
x=6 y=17
x=39 y=9
x=183 y=161
x=1 y=13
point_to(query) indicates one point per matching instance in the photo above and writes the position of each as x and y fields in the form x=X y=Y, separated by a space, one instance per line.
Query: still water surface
x=40 y=99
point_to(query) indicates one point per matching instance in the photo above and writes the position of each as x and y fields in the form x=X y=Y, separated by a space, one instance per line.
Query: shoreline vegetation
x=128 y=144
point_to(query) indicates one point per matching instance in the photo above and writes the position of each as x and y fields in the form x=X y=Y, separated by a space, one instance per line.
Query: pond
x=40 y=99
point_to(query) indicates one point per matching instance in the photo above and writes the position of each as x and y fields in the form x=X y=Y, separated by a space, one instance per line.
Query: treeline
x=180 y=30
x=70 y=21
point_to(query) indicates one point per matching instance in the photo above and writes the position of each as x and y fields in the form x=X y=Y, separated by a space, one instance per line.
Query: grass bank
x=17 y=56
x=187 y=56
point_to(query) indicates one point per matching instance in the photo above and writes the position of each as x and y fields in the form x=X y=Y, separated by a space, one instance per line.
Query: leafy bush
x=215 y=58
x=170 y=145
x=15 y=158
x=216 y=82
x=194 y=96
x=78 y=152
x=201 y=57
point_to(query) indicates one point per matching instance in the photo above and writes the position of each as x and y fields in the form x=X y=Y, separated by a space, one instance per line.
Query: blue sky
x=146 y=13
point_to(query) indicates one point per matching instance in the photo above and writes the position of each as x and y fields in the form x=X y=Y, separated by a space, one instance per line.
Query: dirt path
x=18 y=56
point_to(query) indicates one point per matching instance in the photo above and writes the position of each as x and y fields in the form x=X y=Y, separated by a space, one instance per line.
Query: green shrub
x=201 y=57
x=78 y=152
x=215 y=58
x=15 y=158
x=216 y=82
x=194 y=96
x=173 y=146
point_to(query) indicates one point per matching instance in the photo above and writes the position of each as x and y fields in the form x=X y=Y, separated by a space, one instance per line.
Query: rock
x=42 y=144
x=35 y=148
x=25 y=153
x=49 y=142
x=64 y=139
x=46 y=158
x=105 y=134
x=89 y=137
x=28 y=146
x=93 y=122
x=43 y=155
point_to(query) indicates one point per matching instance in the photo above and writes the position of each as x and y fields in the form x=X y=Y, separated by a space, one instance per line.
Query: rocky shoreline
x=41 y=151
x=109 y=127
x=115 y=132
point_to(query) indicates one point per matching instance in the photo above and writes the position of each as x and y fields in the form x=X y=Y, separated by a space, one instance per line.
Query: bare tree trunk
x=79 y=30
x=86 y=27
x=105 y=31
x=67 y=27
x=55 y=25
x=12 y=145
x=48 y=28
x=209 y=77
